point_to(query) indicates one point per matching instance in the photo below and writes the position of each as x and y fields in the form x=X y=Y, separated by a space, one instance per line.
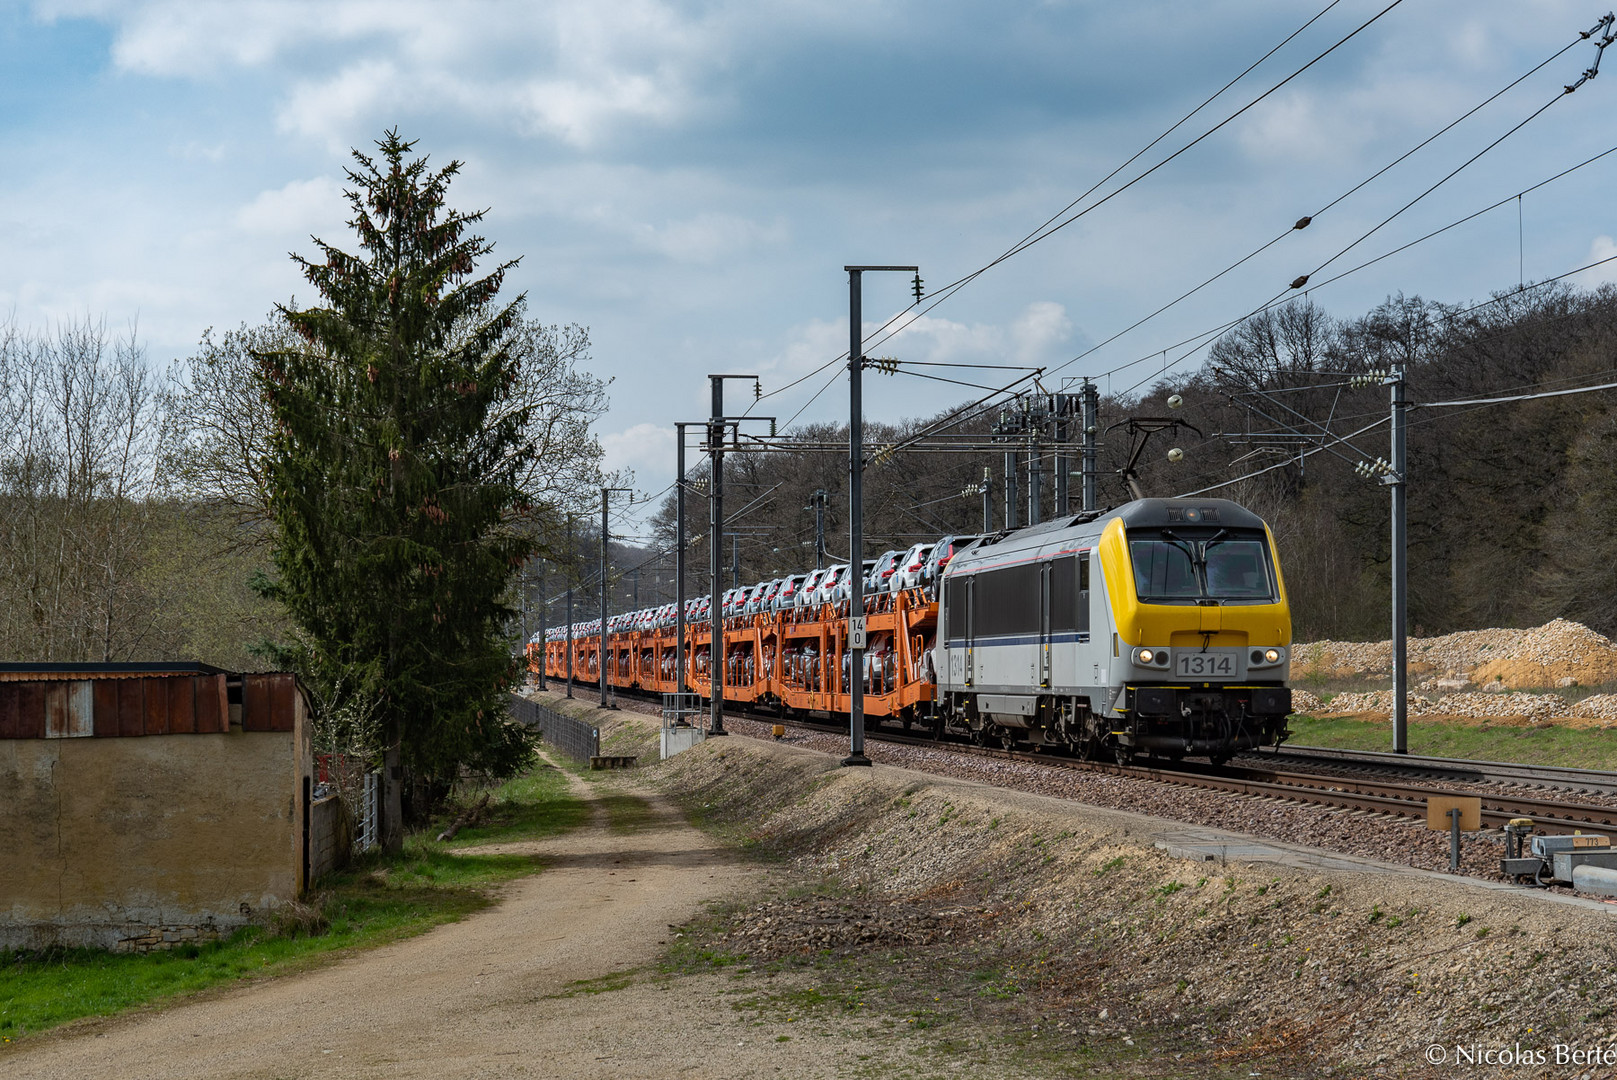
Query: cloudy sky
x=687 y=179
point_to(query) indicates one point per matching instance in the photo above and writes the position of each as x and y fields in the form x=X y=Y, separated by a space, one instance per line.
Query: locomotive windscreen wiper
x=1196 y=551
x=1183 y=545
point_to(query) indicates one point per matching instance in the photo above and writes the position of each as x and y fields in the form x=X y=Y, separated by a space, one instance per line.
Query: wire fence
x=574 y=738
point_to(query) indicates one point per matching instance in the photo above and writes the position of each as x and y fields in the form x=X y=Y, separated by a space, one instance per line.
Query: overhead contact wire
x=1304 y=222
x=1567 y=91
x=1046 y=230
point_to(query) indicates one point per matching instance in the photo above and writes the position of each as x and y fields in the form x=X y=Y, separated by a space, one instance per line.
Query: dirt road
x=479 y=998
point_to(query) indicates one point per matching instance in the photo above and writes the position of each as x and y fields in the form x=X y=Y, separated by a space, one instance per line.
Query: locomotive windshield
x=1171 y=567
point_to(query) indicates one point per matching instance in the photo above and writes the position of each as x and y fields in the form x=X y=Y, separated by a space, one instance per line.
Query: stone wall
x=331 y=837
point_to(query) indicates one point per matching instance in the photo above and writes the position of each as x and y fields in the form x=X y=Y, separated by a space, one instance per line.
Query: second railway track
x=1387 y=795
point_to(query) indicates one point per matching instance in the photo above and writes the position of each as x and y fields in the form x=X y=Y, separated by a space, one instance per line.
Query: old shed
x=148 y=804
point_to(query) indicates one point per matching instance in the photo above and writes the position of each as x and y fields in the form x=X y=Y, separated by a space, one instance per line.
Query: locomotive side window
x=1069 y=594
x=1007 y=602
x=954 y=603
x=1083 y=593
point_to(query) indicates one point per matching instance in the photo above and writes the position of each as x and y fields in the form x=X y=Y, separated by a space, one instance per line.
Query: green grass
x=629 y=813
x=528 y=808
x=1582 y=748
x=604 y=984
x=375 y=902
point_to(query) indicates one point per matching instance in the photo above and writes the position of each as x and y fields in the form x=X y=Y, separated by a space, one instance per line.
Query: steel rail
x=1553 y=776
x=1401 y=800
x=1387 y=797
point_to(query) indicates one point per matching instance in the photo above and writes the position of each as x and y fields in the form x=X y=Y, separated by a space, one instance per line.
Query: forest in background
x=136 y=517
x=134 y=522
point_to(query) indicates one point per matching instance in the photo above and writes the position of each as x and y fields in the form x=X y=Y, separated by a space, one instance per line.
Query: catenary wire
x=1304 y=222
x=1283 y=296
x=1046 y=229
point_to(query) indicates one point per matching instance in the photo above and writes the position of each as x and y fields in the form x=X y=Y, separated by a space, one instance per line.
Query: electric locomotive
x=1160 y=627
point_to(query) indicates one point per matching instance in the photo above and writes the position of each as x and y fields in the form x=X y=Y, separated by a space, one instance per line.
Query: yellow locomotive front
x=1201 y=634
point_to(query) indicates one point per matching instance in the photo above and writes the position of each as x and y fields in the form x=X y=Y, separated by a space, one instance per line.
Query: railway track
x=1461 y=770
x=1267 y=775
x=1382 y=796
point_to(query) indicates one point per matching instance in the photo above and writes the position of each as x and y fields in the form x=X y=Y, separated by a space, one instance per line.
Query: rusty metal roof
x=37 y=672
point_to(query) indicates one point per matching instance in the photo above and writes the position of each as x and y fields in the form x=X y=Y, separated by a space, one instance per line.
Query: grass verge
x=1580 y=748
x=374 y=902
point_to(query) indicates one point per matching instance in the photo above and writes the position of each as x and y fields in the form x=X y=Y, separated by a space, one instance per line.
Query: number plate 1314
x=1207 y=665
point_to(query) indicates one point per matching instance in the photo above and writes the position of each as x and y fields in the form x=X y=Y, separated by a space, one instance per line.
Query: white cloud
x=1035 y=336
x=1300 y=126
x=1040 y=327
x=584 y=66
x=329 y=109
x=303 y=207
x=647 y=449
x=1603 y=247
x=1028 y=340
x=708 y=237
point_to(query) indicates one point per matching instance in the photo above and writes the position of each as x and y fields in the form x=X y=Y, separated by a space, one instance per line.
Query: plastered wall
x=135 y=843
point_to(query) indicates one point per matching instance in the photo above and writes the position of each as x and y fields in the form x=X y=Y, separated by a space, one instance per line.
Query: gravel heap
x=1453 y=654
x=1304 y=702
x=1533 y=708
x=1597 y=707
x=1471 y=675
x=1555 y=654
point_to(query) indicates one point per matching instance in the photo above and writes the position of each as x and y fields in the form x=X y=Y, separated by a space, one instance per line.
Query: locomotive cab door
x=970 y=621
x=1044 y=626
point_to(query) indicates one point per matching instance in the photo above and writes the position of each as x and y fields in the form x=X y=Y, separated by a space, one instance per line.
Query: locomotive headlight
x=1144 y=656
x=1272 y=656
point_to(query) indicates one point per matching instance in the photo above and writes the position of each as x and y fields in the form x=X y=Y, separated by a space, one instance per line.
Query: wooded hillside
x=1512 y=506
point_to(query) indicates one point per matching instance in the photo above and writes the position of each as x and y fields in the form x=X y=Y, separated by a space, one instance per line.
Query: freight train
x=1157 y=628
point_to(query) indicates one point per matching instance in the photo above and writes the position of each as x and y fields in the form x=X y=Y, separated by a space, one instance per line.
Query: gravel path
x=479 y=998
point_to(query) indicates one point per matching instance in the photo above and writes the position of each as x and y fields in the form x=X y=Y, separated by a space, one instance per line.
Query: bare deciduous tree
x=78 y=454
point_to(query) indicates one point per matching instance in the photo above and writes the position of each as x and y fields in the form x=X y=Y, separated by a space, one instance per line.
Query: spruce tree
x=394 y=476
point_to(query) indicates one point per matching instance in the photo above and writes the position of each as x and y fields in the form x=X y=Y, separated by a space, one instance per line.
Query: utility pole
x=569 y=605
x=715 y=535
x=604 y=638
x=1400 y=568
x=735 y=560
x=819 y=528
x=1011 y=509
x=1091 y=422
x=715 y=649
x=1063 y=506
x=636 y=574
x=988 y=500
x=1035 y=478
x=544 y=637
x=524 y=590
x=856 y=505
x=985 y=488
x=679 y=563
